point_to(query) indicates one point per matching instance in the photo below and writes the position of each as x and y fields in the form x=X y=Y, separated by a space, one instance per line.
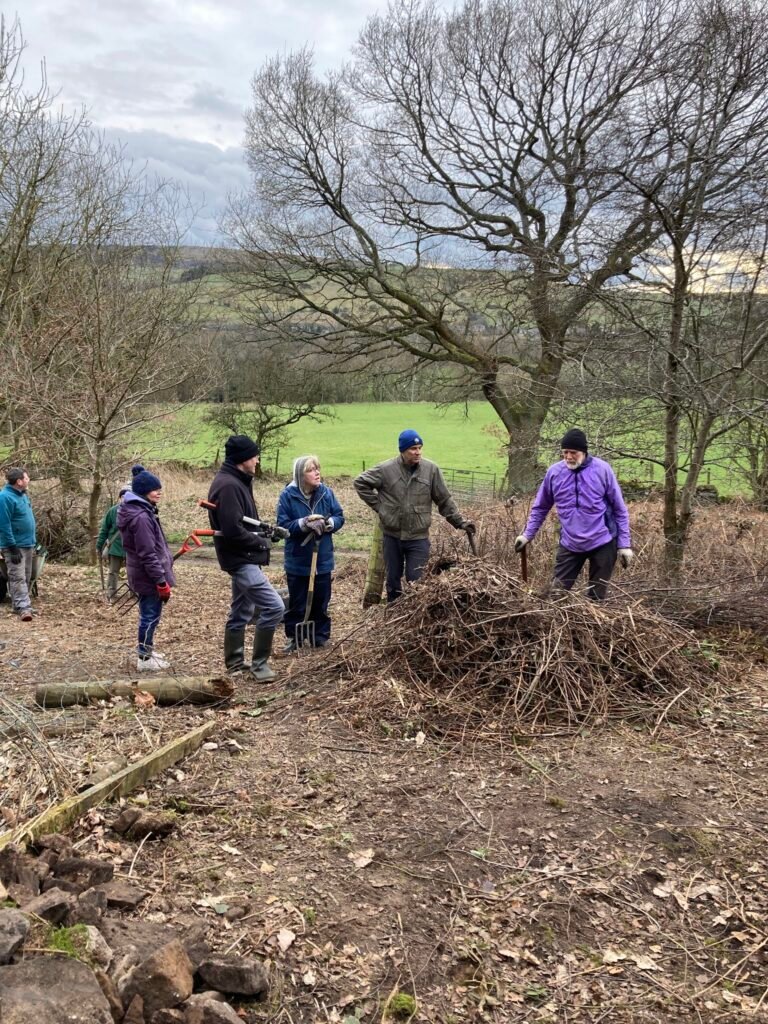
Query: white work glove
x=520 y=543
x=313 y=524
x=329 y=525
x=626 y=556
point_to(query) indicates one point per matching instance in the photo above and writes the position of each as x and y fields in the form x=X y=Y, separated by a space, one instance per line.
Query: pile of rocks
x=113 y=968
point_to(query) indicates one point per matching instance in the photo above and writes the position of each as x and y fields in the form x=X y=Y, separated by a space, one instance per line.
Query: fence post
x=277 y=460
x=363 y=465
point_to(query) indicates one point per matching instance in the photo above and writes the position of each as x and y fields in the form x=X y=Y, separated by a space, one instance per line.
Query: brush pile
x=473 y=649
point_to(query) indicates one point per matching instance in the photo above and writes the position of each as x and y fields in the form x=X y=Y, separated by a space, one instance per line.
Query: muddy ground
x=616 y=874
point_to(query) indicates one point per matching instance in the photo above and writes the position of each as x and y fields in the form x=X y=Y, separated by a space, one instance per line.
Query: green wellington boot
x=234 y=643
x=262 y=648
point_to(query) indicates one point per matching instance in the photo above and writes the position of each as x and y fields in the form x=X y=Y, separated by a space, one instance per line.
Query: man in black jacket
x=241 y=553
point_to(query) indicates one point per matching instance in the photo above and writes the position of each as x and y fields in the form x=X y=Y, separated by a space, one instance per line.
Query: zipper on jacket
x=576 y=482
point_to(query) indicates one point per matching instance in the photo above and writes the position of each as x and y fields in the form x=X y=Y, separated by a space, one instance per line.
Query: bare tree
x=703 y=328
x=454 y=193
x=273 y=395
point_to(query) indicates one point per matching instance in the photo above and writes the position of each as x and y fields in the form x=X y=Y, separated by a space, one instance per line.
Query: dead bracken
x=472 y=648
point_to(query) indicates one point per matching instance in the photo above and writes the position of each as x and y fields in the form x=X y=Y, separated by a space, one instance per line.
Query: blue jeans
x=251 y=593
x=298 y=589
x=150 y=610
x=411 y=554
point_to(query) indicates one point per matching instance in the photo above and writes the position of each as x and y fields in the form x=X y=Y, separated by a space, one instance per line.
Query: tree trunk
x=184 y=689
x=93 y=503
x=675 y=526
x=523 y=420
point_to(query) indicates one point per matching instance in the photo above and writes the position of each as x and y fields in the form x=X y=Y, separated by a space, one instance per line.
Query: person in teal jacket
x=109 y=545
x=17 y=539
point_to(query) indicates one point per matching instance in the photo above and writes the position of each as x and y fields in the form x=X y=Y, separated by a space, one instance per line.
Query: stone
x=83 y=871
x=168 y=1016
x=65 y=884
x=135 y=1012
x=111 y=994
x=13 y=930
x=53 y=906
x=90 y=908
x=122 y=894
x=97 y=948
x=53 y=990
x=136 y=936
x=234 y=974
x=122 y=970
x=21 y=894
x=165 y=979
x=55 y=841
x=10 y=856
x=209 y=996
x=211 y=1013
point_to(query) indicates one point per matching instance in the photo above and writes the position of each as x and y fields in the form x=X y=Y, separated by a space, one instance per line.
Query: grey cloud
x=208 y=173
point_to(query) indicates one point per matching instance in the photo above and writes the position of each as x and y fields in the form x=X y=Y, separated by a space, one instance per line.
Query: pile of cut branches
x=472 y=648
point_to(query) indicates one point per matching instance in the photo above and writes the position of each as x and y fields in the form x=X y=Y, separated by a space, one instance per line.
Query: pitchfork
x=304 y=632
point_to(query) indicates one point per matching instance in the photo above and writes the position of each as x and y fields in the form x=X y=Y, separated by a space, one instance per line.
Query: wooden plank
x=58 y=817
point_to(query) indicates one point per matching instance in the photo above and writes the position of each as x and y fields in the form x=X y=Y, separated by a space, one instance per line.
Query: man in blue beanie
x=401 y=492
x=594 y=522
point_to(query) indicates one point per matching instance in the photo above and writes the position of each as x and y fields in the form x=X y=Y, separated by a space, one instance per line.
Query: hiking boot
x=234 y=643
x=290 y=647
x=262 y=648
x=154 y=663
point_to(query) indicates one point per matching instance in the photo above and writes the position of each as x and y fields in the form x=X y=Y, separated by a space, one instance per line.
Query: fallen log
x=166 y=690
x=62 y=814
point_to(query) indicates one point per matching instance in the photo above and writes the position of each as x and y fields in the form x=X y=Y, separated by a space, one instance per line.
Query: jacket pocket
x=390 y=513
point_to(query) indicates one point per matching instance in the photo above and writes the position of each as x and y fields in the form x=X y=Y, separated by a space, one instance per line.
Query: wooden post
x=374 y=577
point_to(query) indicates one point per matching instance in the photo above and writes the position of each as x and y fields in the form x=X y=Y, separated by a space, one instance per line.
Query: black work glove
x=14 y=555
x=469 y=527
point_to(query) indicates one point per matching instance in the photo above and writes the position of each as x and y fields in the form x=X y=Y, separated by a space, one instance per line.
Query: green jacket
x=109 y=532
x=403 y=499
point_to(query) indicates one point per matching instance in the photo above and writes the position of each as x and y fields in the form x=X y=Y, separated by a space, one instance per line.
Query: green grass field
x=362 y=434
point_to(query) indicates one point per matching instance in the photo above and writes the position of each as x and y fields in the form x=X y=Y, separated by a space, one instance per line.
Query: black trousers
x=298 y=589
x=568 y=565
x=411 y=555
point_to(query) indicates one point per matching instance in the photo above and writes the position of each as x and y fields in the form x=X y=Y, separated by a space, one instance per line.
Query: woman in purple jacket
x=594 y=522
x=148 y=561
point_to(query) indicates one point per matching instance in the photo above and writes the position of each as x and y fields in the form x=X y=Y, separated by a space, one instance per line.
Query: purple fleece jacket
x=148 y=559
x=588 y=502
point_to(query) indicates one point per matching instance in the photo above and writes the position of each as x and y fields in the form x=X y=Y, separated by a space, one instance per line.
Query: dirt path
x=608 y=876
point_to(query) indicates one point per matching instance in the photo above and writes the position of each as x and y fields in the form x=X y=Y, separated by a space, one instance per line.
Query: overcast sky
x=171 y=79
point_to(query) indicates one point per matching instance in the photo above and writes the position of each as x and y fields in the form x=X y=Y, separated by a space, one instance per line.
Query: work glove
x=469 y=527
x=520 y=543
x=163 y=591
x=105 y=550
x=13 y=554
x=626 y=555
x=315 y=524
x=329 y=524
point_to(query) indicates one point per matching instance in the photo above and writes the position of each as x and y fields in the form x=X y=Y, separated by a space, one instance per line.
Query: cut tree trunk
x=179 y=690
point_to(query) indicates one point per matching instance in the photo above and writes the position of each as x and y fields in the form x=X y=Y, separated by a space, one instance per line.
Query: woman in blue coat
x=308 y=508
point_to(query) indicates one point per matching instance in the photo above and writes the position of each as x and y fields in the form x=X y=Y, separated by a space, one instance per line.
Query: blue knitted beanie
x=408 y=439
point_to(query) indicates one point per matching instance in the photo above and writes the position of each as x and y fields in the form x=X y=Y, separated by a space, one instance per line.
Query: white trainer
x=154 y=663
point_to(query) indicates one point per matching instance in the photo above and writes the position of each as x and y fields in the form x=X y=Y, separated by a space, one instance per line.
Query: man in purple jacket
x=594 y=522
